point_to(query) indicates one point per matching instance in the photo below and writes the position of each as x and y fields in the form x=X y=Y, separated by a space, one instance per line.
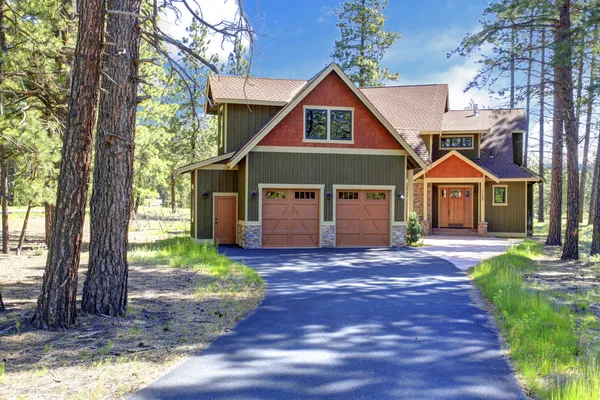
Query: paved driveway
x=350 y=324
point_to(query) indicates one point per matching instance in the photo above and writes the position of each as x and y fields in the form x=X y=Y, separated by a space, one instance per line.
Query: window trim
x=328 y=139
x=457 y=148
x=494 y=196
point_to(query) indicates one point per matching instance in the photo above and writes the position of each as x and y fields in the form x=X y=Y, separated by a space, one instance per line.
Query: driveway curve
x=350 y=324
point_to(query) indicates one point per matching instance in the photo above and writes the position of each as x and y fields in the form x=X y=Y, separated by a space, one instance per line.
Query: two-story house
x=322 y=163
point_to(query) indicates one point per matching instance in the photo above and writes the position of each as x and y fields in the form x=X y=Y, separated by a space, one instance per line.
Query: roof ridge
x=490 y=109
x=400 y=86
x=257 y=77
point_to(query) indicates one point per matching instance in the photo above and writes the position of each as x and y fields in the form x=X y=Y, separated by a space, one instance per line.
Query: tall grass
x=541 y=335
x=184 y=252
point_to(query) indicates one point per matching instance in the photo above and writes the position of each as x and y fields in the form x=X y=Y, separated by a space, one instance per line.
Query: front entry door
x=456 y=207
x=225 y=219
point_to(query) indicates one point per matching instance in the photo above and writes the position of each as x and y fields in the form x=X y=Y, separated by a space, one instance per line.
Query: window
x=274 y=195
x=468 y=193
x=500 y=193
x=456 y=194
x=304 y=195
x=316 y=124
x=454 y=142
x=375 y=195
x=328 y=124
x=444 y=193
x=348 y=195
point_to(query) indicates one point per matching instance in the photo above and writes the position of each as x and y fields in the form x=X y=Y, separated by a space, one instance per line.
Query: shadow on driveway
x=350 y=324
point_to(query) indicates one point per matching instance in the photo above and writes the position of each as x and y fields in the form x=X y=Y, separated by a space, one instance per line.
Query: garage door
x=362 y=218
x=290 y=218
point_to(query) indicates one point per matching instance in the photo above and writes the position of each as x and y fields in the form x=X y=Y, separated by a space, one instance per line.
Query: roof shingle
x=225 y=88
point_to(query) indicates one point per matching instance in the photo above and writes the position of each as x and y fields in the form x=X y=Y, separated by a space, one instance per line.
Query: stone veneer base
x=425 y=228
x=398 y=236
x=248 y=236
x=482 y=229
x=328 y=236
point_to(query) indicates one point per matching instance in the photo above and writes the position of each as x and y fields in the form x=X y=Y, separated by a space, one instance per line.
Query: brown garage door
x=362 y=218
x=290 y=218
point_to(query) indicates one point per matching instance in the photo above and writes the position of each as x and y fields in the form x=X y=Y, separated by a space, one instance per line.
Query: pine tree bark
x=528 y=100
x=48 y=221
x=595 y=184
x=24 y=229
x=173 y=202
x=105 y=287
x=541 y=200
x=2 y=307
x=565 y=83
x=56 y=307
x=595 y=250
x=588 y=131
x=4 y=183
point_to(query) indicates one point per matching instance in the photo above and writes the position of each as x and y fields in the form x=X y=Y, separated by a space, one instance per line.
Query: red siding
x=369 y=133
x=453 y=167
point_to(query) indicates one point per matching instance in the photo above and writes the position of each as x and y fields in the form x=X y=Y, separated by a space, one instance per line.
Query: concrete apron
x=466 y=252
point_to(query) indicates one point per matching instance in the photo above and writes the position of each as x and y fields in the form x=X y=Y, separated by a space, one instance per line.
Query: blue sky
x=301 y=36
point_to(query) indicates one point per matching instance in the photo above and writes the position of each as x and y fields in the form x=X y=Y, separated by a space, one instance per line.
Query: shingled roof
x=225 y=88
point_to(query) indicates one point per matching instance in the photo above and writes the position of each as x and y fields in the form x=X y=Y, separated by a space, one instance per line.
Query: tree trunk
x=528 y=101
x=25 y=222
x=541 y=200
x=48 y=221
x=588 y=131
x=4 y=183
x=2 y=307
x=173 y=202
x=512 y=67
x=595 y=192
x=105 y=287
x=56 y=308
x=565 y=83
x=596 y=206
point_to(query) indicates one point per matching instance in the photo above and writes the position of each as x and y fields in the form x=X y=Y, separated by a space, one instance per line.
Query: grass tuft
x=541 y=334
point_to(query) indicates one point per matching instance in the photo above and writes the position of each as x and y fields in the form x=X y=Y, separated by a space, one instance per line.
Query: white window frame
x=328 y=139
x=494 y=195
x=457 y=136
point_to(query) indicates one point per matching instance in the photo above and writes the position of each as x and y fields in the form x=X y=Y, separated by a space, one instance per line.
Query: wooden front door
x=362 y=218
x=456 y=207
x=290 y=218
x=225 y=219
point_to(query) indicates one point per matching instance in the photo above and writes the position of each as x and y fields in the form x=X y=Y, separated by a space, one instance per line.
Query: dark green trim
x=470 y=154
x=328 y=170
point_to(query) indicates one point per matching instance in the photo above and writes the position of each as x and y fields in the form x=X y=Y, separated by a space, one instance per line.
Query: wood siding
x=211 y=181
x=510 y=218
x=241 y=178
x=326 y=169
x=244 y=121
x=436 y=200
x=438 y=153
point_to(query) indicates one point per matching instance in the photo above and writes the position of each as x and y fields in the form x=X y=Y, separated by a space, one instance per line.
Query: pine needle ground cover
x=553 y=342
x=181 y=296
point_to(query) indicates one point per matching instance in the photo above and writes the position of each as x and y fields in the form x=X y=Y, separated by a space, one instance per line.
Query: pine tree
x=364 y=41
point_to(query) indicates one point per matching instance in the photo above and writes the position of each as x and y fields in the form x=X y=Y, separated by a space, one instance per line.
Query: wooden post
x=410 y=193
x=482 y=197
x=425 y=199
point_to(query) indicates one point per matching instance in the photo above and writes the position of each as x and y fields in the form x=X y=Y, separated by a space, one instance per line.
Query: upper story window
x=456 y=142
x=328 y=124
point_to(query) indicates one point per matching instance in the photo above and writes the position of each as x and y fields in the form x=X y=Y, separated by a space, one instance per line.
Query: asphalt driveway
x=350 y=324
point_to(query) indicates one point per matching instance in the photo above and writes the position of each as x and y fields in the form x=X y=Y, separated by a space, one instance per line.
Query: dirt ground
x=102 y=357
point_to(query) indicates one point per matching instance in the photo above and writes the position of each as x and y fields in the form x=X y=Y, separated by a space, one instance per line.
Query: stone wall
x=482 y=228
x=248 y=236
x=398 y=236
x=327 y=235
x=418 y=200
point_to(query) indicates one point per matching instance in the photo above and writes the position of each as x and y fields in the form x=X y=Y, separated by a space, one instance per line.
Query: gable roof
x=226 y=89
x=302 y=93
x=468 y=161
x=465 y=120
x=203 y=163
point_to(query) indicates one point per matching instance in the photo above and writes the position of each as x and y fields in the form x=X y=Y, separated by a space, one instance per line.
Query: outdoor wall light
x=329 y=195
x=254 y=195
x=205 y=194
x=400 y=196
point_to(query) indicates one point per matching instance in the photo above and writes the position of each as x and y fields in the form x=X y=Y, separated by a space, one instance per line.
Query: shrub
x=413 y=229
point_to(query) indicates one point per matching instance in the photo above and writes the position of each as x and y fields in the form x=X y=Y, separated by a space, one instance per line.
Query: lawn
x=549 y=314
x=181 y=296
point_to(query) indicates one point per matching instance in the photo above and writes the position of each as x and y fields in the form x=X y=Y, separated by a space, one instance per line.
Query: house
x=322 y=163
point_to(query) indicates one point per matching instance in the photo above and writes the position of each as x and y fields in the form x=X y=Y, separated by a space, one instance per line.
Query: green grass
x=541 y=336
x=183 y=252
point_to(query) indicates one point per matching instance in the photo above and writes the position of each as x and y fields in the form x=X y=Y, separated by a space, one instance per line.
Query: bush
x=413 y=229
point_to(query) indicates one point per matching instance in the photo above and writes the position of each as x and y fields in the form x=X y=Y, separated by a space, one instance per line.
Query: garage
x=290 y=217
x=362 y=218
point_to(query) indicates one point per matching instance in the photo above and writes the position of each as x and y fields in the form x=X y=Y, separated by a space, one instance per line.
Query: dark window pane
x=456 y=142
x=341 y=125
x=316 y=124
x=445 y=142
x=275 y=195
x=500 y=195
x=467 y=142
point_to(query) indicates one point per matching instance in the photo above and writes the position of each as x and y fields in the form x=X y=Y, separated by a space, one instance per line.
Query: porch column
x=410 y=192
x=424 y=199
x=482 y=226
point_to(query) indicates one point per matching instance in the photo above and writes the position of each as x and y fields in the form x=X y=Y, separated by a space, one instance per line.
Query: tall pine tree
x=364 y=41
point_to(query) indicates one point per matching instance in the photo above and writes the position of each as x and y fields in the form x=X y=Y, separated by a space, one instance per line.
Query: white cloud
x=326 y=14
x=213 y=12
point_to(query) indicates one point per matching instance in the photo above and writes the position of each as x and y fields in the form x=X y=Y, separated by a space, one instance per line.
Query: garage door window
x=274 y=195
x=348 y=195
x=304 y=195
x=376 y=196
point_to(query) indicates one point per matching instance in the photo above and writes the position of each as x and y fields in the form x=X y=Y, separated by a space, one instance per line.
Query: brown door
x=290 y=218
x=225 y=223
x=456 y=207
x=362 y=218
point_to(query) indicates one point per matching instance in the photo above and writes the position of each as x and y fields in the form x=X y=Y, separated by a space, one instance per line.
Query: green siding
x=211 y=181
x=241 y=177
x=244 y=120
x=427 y=140
x=328 y=170
x=436 y=202
x=438 y=153
x=510 y=218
